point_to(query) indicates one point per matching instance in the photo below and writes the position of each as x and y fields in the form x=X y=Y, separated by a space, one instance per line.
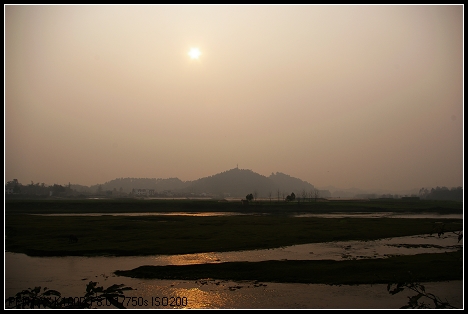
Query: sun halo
x=194 y=53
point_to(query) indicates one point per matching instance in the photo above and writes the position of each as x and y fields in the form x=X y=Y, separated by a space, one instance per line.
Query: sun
x=194 y=53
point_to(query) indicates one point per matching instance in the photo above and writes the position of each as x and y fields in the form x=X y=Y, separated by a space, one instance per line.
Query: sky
x=357 y=96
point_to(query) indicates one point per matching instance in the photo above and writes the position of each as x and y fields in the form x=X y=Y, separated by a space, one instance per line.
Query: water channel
x=69 y=275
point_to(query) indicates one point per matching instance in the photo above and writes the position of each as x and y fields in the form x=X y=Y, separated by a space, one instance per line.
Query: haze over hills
x=236 y=183
x=125 y=108
x=240 y=182
x=231 y=183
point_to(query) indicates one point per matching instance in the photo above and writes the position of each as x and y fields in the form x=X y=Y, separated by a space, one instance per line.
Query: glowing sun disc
x=194 y=53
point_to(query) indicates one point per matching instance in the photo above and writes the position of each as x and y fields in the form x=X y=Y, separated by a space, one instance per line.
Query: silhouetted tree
x=443 y=193
x=15 y=185
x=52 y=299
x=291 y=197
x=58 y=189
x=423 y=192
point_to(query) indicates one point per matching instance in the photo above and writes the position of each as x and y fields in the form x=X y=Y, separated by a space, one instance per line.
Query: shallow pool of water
x=330 y=215
x=194 y=214
x=340 y=250
x=70 y=275
x=383 y=215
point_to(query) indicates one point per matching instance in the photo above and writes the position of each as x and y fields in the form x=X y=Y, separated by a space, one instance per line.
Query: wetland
x=228 y=249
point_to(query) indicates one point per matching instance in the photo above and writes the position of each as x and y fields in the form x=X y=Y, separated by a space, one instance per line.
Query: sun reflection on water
x=165 y=294
x=187 y=259
x=199 y=299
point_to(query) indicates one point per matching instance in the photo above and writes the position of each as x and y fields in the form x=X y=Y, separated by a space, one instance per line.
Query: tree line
x=38 y=189
x=442 y=193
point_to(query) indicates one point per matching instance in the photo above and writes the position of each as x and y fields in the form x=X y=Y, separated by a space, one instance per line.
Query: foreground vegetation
x=95 y=296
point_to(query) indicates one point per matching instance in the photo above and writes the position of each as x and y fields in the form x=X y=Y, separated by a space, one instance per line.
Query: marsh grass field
x=270 y=225
x=63 y=206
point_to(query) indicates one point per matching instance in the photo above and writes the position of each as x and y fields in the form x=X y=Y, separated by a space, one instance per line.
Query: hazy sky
x=350 y=96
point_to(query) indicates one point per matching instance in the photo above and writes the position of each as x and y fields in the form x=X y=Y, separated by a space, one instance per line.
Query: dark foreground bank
x=409 y=268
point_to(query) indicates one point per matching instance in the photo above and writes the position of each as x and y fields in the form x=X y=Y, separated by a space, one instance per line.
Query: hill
x=234 y=183
x=231 y=183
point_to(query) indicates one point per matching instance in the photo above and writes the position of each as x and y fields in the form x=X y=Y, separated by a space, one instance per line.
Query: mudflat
x=264 y=225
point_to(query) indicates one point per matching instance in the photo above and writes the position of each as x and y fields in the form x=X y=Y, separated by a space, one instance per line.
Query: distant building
x=143 y=192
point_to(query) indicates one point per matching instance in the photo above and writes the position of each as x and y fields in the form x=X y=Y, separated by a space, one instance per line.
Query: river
x=69 y=275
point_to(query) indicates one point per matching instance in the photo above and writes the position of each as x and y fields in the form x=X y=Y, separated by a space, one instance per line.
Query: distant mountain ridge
x=240 y=182
x=231 y=183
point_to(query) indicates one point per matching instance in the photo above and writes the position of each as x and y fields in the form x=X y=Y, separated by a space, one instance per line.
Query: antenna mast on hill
x=237 y=167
